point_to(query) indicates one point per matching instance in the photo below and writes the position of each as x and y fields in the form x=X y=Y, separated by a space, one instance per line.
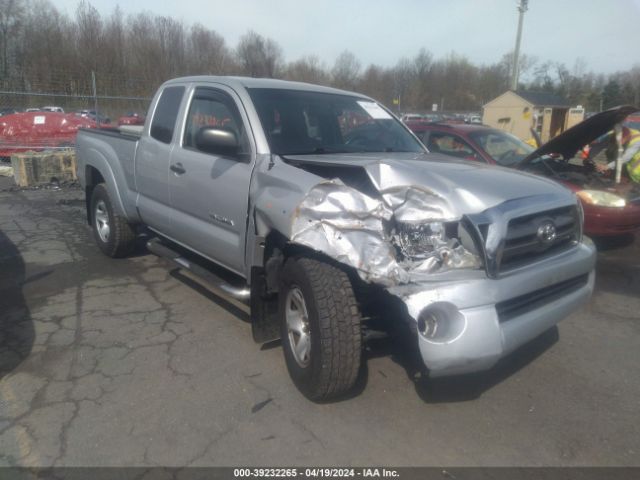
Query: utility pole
x=95 y=96
x=522 y=7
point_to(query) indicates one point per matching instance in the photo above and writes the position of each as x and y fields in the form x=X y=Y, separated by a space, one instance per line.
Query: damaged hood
x=464 y=187
x=569 y=142
x=384 y=214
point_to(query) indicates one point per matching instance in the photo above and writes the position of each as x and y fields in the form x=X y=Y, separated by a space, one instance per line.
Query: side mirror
x=219 y=141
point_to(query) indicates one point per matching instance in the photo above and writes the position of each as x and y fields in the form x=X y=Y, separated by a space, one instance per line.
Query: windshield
x=503 y=147
x=301 y=122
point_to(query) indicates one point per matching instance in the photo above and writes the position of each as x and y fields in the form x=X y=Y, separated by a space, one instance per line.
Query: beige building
x=517 y=112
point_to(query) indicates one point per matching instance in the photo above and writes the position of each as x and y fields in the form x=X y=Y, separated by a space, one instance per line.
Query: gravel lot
x=130 y=362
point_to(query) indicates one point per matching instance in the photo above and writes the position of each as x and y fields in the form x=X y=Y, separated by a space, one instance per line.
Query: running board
x=243 y=293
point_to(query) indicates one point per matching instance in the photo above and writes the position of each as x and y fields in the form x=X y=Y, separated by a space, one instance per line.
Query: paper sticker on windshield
x=38 y=120
x=374 y=110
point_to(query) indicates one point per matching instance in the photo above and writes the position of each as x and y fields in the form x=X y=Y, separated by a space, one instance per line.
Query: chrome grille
x=513 y=234
x=525 y=243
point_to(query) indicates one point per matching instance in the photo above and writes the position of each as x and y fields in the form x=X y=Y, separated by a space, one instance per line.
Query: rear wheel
x=113 y=234
x=320 y=328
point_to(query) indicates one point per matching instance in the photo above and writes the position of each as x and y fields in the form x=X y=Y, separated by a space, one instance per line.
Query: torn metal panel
x=349 y=227
x=467 y=187
x=411 y=202
x=366 y=233
x=277 y=188
x=415 y=204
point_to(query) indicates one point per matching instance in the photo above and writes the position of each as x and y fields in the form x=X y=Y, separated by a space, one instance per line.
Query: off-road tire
x=121 y=237
x=333 y=322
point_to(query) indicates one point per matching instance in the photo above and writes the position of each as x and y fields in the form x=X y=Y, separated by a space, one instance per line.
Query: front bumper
x=485 y=319
x=601 y=221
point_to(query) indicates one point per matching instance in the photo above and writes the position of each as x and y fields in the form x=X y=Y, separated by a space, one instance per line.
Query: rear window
x=164 y=119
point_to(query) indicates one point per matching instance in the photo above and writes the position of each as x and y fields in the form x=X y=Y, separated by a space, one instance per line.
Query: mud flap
x=264 y=311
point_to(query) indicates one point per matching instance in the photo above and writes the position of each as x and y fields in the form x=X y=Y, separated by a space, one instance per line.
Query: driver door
x=209 y=192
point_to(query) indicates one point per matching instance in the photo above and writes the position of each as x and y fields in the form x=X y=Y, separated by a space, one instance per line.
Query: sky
x=604 y=33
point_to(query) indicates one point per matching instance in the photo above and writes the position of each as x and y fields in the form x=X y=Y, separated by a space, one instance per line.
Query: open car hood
x=569 y=142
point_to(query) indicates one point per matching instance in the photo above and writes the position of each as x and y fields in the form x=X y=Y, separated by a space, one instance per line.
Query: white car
x=52 y=109
x=411 y=117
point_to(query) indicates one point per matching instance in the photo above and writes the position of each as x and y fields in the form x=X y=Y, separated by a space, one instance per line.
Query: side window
x=450 y=145
x=210 y=108
x=164 y=118
x=499 y=145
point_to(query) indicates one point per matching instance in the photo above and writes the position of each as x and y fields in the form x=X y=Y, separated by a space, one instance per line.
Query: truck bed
x=113 y=153
x=123 y=144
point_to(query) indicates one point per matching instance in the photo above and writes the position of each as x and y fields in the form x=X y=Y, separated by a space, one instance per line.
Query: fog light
x=441 y=322
x=428 y=324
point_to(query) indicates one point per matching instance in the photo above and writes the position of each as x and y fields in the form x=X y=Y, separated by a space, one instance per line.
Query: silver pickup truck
x=320 y=209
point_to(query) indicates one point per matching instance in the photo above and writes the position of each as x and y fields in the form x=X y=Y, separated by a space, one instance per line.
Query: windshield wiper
x=318 y=151
x=330 y=150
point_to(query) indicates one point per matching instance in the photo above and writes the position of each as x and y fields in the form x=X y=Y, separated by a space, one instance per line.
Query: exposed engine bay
x=583 y=174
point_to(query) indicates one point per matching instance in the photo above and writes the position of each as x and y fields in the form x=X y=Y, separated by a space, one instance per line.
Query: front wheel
x=113 y=234
x=320 y=328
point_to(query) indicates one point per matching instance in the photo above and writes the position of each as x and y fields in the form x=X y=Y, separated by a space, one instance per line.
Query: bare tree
x=345 y=71
x=378 y=83
x=170 y=38
x=48 y=47
x=11 y=16
x=89 y=28
x=44 y=50
x=111 y=64
x=259 y=56
x=307 y=69
x=527 y=65
x=207 y=52
x=403 y=79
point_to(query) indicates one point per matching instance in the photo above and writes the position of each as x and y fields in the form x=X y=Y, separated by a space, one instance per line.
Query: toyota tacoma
x=321 y=210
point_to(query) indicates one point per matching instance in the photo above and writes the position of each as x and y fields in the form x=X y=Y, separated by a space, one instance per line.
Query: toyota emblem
x=546 y=232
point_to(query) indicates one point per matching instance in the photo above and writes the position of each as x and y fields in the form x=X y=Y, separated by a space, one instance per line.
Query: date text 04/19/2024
x=315 y=473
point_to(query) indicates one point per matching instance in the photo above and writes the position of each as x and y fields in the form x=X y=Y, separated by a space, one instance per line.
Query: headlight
x=419 y=241
x=427 y=247
x=601 y=198
x=580 y=219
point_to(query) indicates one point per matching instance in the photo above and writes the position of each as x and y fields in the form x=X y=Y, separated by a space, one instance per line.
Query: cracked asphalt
x=133 y=363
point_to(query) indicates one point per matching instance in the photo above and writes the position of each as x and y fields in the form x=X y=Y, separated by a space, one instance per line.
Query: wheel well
x=92 y=178
x=265 y=282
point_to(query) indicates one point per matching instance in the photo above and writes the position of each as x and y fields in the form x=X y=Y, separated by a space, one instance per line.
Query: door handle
x=177 y=168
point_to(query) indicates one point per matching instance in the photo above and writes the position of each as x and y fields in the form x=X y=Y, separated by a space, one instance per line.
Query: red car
x=609 y=209
x=131 y=119
x=20 y=132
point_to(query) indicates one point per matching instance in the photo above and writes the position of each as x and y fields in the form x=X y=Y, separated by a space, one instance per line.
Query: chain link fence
x=46 y=114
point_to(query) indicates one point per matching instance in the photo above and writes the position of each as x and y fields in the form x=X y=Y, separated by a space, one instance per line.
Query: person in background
x=630 y=157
